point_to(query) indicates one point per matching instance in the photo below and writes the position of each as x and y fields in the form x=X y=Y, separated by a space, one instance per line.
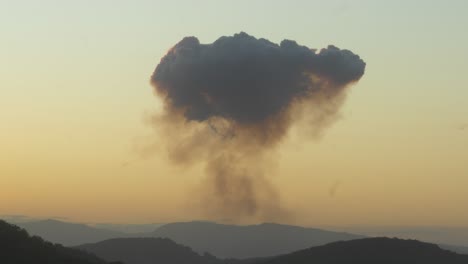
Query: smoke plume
x=230 y=103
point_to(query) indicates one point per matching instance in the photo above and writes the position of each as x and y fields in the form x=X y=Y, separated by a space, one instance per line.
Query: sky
x=75 y=100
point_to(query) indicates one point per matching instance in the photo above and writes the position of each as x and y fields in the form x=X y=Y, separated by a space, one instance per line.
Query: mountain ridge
x=69 y=234
x=146 y=251
x=380 y=250
x=235 y=241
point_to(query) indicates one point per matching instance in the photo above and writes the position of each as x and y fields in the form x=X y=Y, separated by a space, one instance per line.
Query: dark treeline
x=18 y=247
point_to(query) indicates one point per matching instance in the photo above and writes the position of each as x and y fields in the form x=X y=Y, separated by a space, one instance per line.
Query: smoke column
x=230 y=103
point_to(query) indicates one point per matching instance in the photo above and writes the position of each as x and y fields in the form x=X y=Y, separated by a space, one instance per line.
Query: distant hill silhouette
x=433 y=234
x=150 y=251
x=231 y=241
x=69 y=234
x=129 y=228
x=372 y=251
x=18 y=247
x=457 y=249
x=72 y=234
x=360 y=251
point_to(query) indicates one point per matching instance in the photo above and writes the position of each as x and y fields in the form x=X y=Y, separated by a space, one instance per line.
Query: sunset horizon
x=296 y=123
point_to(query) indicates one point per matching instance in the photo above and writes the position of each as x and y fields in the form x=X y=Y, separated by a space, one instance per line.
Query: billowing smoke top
x=247 y=80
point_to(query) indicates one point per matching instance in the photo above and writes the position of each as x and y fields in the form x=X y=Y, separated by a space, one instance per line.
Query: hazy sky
x=75 y=98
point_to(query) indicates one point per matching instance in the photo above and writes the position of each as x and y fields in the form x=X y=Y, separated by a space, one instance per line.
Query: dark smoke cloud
x=230 y=102
x=248 y=80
